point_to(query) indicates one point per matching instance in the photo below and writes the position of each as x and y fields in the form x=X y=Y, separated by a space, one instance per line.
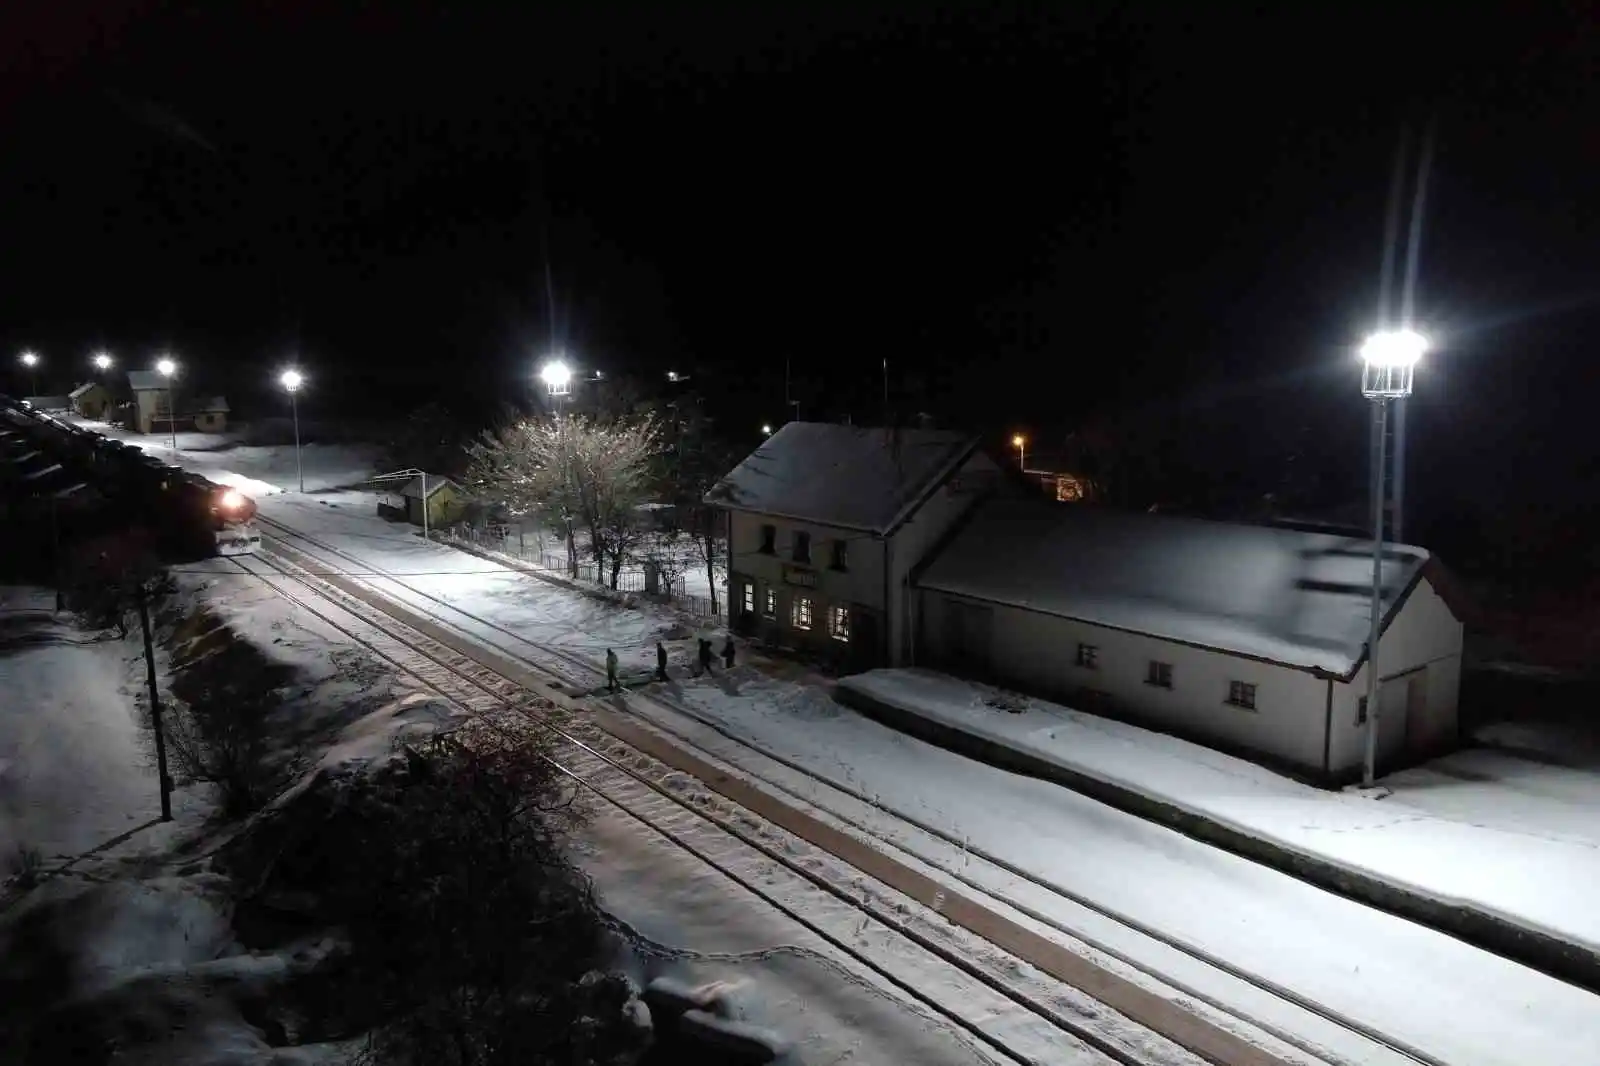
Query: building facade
x=1244 y=638
x=90 y=400
x=826 y=523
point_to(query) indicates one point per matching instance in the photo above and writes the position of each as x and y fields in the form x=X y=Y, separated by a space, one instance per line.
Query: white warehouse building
x=1243 y=637
x=826 y=522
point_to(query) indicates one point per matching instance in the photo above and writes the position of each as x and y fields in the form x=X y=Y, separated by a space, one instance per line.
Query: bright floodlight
x=1398 y=348
x=166 y=367
x=102 y=360
x=557 y=375
x=1389 y=359
x=30 y=359
x=766 y=428
x=291 y=379
x=1018 y=440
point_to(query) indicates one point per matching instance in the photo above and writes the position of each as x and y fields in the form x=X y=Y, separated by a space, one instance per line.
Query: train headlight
x=231 y=500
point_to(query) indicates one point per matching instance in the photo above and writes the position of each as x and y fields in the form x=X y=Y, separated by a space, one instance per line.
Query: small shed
x=446 y=500
x=210 y=414
x=90 y=400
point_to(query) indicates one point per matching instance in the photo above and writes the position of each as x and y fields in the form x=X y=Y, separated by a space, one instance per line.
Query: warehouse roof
x=412 y=490
x=852 y=477
x=1291 y=597
x=83 y=389
x=147 y=380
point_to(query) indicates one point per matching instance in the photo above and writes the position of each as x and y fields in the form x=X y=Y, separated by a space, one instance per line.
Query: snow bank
x=1431 y=838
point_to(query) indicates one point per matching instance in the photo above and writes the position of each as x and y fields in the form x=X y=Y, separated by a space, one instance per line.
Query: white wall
x=1423 y=635
x=913 y=540
x=1038 y=652
x=862 y=583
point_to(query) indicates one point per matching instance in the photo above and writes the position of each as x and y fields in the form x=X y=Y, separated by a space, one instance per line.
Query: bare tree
x=577 y=472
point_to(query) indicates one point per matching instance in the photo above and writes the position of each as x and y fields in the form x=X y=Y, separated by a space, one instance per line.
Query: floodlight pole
x=294 y=409
x=155 y=705
x=1380 y=412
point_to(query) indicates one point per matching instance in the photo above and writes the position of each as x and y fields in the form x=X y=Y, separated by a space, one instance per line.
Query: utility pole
x=155 y=706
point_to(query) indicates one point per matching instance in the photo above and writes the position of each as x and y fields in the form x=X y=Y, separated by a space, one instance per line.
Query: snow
x=847 y=476
x=1444 y=996
x=255 y=470
x=1297 y=598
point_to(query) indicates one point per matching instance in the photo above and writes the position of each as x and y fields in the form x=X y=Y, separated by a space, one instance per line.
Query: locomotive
x=193 y=515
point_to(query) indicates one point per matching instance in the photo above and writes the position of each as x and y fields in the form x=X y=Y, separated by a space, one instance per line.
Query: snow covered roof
x=1287 y=596
x=83 y=390
x=413 y=488
x=146 y=380
x=852 y=477
x=47 y=403
x=209 y=405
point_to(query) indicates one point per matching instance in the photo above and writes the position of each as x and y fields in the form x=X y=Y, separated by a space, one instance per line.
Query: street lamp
x=169 y=370
x=557 y=377
x=675 y=377
x=31 y=361
x=766 y=429
x=102 y=361
x=1020 y=443
x=1388 y=363
x=291 y=379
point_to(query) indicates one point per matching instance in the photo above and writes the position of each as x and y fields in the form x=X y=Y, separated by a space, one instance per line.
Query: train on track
x=48 y=459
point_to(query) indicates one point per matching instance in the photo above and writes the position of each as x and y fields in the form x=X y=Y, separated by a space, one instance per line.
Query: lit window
x=1088 y=656
x=800 y=612
x=750 y=597
x=839 y=623
x=802 y=547
x=1242 y=694
x=841 y=555
x=771 y=602
x=1158 y=674
x=769 y=540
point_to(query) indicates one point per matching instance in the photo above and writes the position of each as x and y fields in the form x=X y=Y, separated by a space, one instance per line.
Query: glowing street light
x=1020 y=443
x=291 y=379
x=102 y=361
x=169 y=370
x=30 y=360
x=766 y=429
x=1388 y=362
x=557 y=377
x=675 y=377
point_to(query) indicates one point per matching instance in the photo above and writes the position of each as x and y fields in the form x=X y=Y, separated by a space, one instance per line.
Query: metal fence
x=629 y=579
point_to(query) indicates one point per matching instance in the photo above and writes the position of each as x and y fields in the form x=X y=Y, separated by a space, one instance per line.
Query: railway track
x=974 y=994
x=853 y=809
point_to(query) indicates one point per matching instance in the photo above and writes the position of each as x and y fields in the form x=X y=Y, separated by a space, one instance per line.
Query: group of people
x=703 y=663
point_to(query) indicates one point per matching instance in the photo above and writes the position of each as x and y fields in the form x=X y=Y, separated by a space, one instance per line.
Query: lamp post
x=1389 y=360
x=102 y=361
x=1020 y=443
x=31 y=361
x=557 y=378
x=766 y=429
x=291 y=380
x=169 y=369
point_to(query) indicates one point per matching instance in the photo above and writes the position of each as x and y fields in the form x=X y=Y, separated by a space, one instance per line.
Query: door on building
x=866 y=639
x=968 y=628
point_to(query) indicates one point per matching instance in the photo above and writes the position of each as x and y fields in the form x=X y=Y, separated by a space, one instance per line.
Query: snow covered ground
x=1538 y=821
x=256 y=470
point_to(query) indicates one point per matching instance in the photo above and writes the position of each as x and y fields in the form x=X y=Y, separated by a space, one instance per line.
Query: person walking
x=661 y=661
x=727 y=653
x=705 y=657
x=611 y=670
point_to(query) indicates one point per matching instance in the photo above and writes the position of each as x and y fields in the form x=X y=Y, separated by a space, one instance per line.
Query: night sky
x=1042 y=218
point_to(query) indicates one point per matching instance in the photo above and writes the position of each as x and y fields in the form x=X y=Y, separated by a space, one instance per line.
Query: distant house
x=1247 y=637
x=446 y=502
x=52 y=404
x=826 y=522
x=152 y=393
x=210 y=414
x=90 y=400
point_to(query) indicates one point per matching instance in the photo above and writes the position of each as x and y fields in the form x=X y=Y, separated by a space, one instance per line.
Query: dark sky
x=1036 y=213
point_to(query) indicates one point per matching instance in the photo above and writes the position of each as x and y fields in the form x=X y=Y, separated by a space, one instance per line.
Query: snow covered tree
x=695 y=459
x=577 y=473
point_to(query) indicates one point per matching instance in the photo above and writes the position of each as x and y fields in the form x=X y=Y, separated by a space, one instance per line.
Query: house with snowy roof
x=1248 y=638
x=825 y=524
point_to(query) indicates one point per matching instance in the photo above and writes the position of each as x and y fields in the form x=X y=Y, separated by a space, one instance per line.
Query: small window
x=1361 y=711
x=750 y=597
x=1088 y=656
x=802 y=547
x=769 y=540
x=1158 y=674
x=841 y=555
x=770 y=602
x=839 y=623
x=1242 y=694
x=800 y=612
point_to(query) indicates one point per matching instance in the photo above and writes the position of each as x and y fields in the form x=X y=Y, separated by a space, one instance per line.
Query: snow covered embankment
x=1524 y=904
